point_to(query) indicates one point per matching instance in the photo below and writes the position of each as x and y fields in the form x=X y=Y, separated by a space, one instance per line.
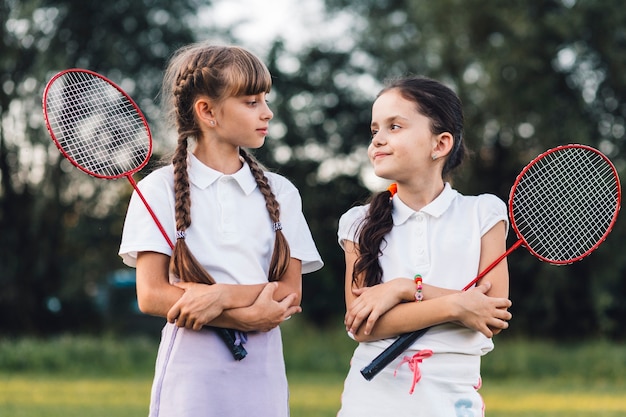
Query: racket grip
x=388 y=355
x=229 y=338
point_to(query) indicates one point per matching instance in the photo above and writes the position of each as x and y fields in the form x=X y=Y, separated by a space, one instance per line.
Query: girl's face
x=402 y=142
x=243 y=121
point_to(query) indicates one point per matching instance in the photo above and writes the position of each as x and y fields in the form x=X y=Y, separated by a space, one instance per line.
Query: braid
x=216 y=72
x=281 y=254
x=182 y=263
x=375 y=226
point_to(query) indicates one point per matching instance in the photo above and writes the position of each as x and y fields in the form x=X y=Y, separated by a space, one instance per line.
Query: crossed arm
x=258 y=307
x=385 y=310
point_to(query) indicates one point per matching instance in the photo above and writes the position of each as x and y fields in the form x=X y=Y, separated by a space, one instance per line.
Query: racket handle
x=229 y=338
x=388 y=355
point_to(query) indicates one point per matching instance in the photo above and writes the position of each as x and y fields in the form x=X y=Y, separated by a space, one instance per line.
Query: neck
x=224 y=159
x=417 y=196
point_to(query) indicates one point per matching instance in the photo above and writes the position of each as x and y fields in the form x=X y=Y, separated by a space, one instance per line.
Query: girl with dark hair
x=410 y=251
x=237 y=227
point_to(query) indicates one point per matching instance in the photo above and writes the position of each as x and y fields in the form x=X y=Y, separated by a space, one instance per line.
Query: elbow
x=147 y=304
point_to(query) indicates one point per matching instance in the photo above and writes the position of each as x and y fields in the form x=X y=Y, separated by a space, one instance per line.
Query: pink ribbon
x=413 y=363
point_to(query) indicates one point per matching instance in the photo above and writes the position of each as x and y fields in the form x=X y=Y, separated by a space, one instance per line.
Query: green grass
x=77 y=376
x=312 y=395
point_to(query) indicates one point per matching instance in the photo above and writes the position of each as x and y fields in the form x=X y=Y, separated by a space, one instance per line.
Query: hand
x=373 y=302
x=477 y=311
x=266 y=313
x=198 y=306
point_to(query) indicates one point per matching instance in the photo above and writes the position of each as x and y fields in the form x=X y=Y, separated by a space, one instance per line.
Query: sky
x=257 y=22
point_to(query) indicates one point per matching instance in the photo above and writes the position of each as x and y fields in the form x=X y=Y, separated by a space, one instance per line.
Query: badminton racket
x=562 y=206
x=102 y=131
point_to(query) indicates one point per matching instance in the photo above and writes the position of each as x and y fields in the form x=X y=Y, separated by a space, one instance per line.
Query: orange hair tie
x=393 y=189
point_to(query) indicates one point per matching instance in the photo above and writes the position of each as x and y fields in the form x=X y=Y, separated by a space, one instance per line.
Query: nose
x=268 y=114
x=378 y=139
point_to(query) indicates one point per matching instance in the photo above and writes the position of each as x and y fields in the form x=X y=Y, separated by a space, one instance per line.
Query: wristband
x=419 y=296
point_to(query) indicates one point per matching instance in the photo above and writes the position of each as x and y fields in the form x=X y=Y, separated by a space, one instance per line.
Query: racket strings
x=563 y=205
x=96 y=125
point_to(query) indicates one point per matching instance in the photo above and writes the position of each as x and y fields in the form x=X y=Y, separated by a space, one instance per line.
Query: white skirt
x=448 y=387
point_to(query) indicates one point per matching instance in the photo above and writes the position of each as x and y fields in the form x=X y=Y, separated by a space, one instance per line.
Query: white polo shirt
x=231 y=233
x=441 y=242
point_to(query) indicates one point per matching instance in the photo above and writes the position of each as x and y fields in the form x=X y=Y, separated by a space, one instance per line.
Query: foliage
x=60 y=228
x=532 y=75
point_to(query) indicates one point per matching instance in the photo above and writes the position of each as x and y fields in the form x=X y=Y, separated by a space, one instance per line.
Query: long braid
x=281 y=254
x=183 y=263
x=216 y=72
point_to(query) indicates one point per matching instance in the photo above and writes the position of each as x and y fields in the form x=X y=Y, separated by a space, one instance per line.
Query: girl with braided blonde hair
x=242 y=243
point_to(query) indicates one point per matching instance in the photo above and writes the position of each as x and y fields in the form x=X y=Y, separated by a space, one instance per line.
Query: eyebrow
x=391 y=119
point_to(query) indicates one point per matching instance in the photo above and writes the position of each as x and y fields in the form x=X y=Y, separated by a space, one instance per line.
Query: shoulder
x=482 y=202
x=280 y=184
x=158 y=177
x=488 y=208
x=349 y=223
x=491 y=203
x=354 y=214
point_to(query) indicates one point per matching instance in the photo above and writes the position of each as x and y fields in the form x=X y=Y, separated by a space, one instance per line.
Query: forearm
x=409 y=317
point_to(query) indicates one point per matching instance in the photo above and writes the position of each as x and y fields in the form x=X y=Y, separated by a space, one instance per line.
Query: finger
x=484 y=287
x=289 y=300
x=268 y=290
x=173 y=313
x=360 y=317
x=290 y=312
x=183 y=285
x=371 y=321
x=359 y=291
x=486 y=331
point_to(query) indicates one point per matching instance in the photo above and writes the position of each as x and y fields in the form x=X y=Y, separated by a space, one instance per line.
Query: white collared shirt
x=231 y=233
x=441 y=242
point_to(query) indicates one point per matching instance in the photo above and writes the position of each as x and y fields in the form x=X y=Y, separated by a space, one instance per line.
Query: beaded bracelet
x=419 y=296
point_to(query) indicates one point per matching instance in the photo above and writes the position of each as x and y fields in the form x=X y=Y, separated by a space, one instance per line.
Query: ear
x=442 y=145
x=205 y=111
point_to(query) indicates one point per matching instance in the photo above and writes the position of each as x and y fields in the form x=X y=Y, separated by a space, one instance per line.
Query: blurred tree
x=60 y=228
x=532 y=75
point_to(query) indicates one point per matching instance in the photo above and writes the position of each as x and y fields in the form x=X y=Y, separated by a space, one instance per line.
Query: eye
x=373 y=133
x=394 y=127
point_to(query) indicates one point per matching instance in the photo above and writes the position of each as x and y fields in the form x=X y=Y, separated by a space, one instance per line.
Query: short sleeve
x=140 y=232
x=492 y=210
x=349 y=224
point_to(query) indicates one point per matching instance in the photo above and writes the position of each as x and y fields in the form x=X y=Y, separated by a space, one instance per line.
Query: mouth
x=379 y=155
x=263 y=131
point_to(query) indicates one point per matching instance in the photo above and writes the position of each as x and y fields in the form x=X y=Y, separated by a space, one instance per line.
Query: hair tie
x=180 y=234
x=277 y=226
x=393 y=189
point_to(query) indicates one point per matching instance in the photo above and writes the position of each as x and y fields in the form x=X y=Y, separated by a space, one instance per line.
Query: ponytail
x=372 y=231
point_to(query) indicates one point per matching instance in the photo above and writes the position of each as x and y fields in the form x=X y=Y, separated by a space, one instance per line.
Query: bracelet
x=419 y=296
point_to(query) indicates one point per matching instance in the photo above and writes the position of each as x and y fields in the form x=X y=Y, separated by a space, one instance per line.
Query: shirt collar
x=203 y=176
x=401 y=212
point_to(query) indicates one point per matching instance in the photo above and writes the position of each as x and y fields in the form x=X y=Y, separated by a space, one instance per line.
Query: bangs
x=247 y=76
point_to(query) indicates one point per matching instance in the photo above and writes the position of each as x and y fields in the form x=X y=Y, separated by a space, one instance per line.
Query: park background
x=532 y=75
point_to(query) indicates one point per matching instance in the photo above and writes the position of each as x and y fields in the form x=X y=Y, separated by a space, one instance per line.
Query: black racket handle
x=388 y=355
x=229 y=338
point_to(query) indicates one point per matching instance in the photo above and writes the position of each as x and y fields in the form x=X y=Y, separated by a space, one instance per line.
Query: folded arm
x=388 y=309
x=192 y=305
